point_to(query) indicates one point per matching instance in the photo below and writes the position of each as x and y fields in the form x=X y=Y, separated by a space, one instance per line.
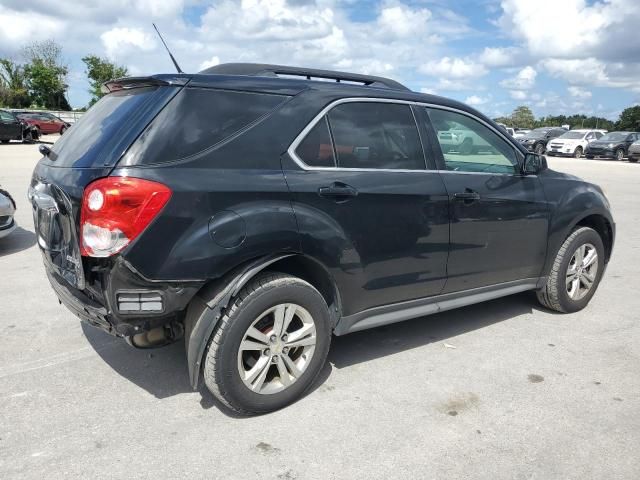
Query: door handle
x=340 y=192
x=467 y=196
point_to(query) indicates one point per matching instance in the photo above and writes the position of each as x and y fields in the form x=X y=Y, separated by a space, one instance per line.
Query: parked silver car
x=7 y=210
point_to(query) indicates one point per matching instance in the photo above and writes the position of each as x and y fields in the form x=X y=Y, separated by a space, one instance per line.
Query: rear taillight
x=115 y=210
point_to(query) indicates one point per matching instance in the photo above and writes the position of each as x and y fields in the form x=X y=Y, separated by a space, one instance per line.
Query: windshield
x=614 y=137
x=573 y=135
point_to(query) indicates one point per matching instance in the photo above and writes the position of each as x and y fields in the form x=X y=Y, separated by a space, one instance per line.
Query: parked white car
x=573 y=143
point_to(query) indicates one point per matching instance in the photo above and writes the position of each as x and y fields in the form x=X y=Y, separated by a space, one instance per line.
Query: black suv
x=258 y=209
x=612 y=145
x=536 y=140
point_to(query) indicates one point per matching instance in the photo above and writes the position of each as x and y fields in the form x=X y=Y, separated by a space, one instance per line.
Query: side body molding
x=207 y=306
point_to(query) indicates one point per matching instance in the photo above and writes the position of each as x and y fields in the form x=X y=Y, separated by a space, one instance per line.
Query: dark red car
x=45 y=122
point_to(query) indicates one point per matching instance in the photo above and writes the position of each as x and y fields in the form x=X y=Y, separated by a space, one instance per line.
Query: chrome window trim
x=296 y=142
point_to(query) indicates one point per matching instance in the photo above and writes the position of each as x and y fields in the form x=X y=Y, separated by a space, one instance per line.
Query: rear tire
x=633 y=160
x=5 y=141
x=560 y=292
x=286 y=372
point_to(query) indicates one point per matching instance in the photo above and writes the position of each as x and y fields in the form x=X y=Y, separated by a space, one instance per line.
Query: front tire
x=269 y=346
x=577 y=153
x=539 y=149
x=576 y=272
x=619 y=154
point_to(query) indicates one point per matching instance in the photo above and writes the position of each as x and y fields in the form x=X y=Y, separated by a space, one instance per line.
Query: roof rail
x=267 y=70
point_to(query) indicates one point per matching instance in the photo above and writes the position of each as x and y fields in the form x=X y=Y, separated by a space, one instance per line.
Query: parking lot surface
x=501 y=390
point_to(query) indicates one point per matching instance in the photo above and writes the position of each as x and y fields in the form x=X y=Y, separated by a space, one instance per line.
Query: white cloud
x=453 y=68
x=563 y=27
x=518 y=94
x=476 y=100
x=401 y=21
x=498 y=57
x=523 y=80
x=26 y=26
x=212 y=62
x=579 y=92
x=591 y=71
x=117 y=40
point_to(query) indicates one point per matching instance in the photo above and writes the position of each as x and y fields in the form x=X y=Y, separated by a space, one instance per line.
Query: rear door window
x=376 y=135
x=198 y=119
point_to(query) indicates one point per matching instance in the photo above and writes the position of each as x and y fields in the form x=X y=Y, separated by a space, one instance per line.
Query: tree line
x=38 y=79
x=522 y=117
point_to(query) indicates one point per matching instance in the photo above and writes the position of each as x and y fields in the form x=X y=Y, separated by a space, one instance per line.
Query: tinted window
x=316 y=149
x=199 y=118
x=376 y=135
x=469 y=146
x=102 y=123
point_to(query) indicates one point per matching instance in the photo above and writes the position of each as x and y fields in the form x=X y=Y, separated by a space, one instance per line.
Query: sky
x=555 y=56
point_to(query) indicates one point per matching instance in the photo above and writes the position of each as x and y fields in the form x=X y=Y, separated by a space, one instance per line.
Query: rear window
x=83 y=145
x=196 y=120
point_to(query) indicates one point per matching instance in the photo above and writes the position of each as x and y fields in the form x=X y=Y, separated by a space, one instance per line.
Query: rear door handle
x=467 y=196
x=340 y=192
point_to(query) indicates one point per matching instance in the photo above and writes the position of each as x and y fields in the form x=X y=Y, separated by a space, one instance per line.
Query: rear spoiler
x=139 y=82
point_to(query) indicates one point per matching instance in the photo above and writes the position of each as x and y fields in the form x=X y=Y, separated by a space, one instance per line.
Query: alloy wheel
x=277 y=348
x=582 y=271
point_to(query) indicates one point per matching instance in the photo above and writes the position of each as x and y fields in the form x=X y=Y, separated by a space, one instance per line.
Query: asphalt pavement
x=501 y=390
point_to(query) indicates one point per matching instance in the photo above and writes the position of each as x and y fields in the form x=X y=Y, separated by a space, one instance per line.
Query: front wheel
x=619 y=154
x=269 y=346
x=577 y=153
x=576 y=272
x=539 y=149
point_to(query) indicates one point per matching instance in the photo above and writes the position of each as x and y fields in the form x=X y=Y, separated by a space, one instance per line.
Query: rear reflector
x=139 y=302
x=115 y=210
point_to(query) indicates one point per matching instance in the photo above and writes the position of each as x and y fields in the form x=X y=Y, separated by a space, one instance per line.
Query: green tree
x=100 y=70
x=13 y=90
x=46 y=74
x=629 y=119
x=522 y=117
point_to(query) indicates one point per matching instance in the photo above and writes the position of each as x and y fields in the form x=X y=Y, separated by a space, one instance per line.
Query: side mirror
x=534 y=164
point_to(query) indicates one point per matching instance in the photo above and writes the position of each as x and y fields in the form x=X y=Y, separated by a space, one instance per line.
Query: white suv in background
x=573 y=143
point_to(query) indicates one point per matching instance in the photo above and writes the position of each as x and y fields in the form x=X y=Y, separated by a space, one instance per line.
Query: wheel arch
x=576 y=203
x=209 y=304
x=603 y=227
